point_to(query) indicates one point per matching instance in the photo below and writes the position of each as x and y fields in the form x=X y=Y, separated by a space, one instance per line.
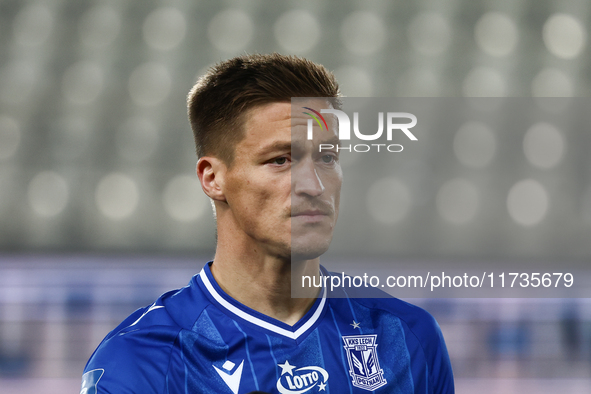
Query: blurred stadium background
x=100 y=210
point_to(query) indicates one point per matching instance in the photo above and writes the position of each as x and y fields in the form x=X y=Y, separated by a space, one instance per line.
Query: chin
x=308 y=252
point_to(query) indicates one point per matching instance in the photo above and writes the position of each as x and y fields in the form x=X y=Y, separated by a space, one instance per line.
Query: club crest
x=364 y=366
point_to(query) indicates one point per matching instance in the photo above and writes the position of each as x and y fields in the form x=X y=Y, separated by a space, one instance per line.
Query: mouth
x=311 y=215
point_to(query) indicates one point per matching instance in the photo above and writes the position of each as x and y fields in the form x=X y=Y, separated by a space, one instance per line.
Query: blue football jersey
x=198 y=340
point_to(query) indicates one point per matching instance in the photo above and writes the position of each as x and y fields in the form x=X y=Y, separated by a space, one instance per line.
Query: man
x=236 y=328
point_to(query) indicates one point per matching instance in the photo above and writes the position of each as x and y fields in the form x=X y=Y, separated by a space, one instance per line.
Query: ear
x=211 y=171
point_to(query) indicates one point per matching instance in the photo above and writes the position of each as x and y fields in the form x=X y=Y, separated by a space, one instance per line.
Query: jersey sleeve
x=428 y=333
x=133 y=362
x=133 y=358
x=441 y=375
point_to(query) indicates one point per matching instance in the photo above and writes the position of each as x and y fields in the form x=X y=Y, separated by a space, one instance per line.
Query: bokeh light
x=564 y=36
x=297 y=31
x=496 y=34
x=528 y=202
x=33 y=25
x=117 y=196
x=165 y=28
x=551 y=82
x=184 y=200
x=543 y=145
x=48 y=194
x=230 y=30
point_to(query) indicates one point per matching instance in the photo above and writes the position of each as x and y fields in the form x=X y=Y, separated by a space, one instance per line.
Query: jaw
x=309 y=246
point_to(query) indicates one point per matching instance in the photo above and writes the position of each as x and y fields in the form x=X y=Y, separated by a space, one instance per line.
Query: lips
x=310 y=212
x=310 y=217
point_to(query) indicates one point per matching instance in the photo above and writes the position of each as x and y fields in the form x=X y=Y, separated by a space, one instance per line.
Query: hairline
x=239 y=124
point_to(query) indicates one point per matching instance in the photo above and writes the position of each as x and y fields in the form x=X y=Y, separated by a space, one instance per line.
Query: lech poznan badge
x=364 y=366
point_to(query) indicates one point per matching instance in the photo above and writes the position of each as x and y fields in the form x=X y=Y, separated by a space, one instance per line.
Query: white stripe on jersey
x=259 y=322
x=154 y=306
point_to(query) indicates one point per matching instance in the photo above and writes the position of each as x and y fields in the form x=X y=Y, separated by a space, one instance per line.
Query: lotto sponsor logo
x=295 y=380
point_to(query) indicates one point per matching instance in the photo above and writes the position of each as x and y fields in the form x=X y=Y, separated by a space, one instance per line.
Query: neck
x=262 y=281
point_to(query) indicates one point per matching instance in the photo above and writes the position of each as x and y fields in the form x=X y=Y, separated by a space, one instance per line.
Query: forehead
x=281 y=120
x=265 y=124
x=268 y=113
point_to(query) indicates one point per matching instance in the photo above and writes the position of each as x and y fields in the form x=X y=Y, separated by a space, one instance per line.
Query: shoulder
x=417 y=320
x=133 y=361
x=135 y=356
x=422 y=334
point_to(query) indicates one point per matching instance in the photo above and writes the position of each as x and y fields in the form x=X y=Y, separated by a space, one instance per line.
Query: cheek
x=259 y=202
x=256 y=197
x=335 y=187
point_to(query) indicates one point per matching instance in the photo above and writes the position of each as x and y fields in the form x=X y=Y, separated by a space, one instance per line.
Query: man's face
x=283 y=193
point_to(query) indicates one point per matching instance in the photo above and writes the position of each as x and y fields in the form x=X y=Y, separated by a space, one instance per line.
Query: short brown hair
x=217 y=103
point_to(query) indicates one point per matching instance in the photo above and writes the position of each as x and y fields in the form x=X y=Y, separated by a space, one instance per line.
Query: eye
x=280 y=161
x=328 y=159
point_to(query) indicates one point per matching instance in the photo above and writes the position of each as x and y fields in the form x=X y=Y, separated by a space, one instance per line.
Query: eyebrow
x=334 y=140
x=299 y=146
x=283 y=146
x=279 y=146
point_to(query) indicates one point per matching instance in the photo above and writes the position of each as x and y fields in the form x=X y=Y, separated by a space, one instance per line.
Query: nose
x=305 y=179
